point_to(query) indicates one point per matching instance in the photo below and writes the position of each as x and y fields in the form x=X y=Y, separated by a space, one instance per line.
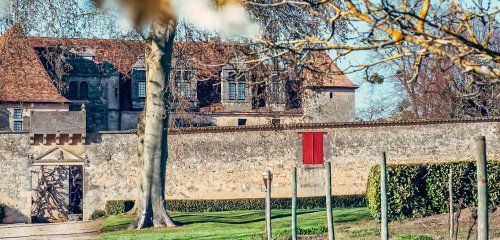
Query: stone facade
x=222 y=163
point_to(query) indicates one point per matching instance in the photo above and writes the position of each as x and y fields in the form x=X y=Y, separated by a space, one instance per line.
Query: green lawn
x=234 y=224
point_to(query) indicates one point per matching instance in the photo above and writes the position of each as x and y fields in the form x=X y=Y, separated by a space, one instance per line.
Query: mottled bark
x=152 y=132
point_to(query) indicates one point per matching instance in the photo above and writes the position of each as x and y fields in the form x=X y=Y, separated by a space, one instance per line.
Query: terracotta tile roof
x=320 y=71
x=122 y=54
x=207 y=58
x=23 y=77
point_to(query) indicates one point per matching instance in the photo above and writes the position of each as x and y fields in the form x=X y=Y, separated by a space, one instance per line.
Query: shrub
x=417 y=190
x=97 y=214
x=115 y=207
x=122 y=206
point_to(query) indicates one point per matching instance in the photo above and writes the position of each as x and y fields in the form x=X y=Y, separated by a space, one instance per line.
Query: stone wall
x=222 y=163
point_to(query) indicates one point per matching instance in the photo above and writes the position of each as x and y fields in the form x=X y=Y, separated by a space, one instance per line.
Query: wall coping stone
x=302 y=126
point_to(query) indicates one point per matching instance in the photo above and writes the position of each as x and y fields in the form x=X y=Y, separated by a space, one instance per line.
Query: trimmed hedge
x=244 y=204
x=418 y=190
x=115 y=207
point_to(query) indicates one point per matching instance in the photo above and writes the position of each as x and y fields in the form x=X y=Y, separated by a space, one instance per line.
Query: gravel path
x=66 y=230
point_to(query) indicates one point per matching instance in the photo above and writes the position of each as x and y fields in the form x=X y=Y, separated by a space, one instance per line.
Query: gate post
x=482 y=190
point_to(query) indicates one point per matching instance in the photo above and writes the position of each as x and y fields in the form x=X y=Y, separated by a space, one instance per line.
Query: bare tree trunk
x=152 y=131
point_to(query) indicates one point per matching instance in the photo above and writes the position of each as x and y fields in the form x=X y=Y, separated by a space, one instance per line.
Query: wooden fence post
x=294 y=203
x=450 y=195
x=329 y=212
x=267 y=177
x=384 y=228
x=482 y=190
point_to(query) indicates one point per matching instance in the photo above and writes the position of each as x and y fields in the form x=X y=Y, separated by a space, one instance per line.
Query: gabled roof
x=22 y=76
x=320 y=71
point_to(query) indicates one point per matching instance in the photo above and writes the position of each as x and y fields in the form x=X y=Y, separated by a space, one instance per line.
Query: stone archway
x=57 y=186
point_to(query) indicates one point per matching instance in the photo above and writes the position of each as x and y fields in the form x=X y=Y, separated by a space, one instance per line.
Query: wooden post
x=267 y=182
x=450 y=194
x=384 y=227
x=329 y=213
x=482 y=190
x=294 y=203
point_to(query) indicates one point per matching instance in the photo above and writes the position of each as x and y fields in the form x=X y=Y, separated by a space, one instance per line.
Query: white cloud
x=230 y=20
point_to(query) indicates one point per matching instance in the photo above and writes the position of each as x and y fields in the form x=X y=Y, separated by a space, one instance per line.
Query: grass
x=233 y=224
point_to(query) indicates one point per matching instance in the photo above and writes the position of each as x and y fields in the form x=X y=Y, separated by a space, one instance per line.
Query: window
x=177 y=78
x=186 y=90
x=232 y=91
x=18 y=126
x=312 y=147
x=186 y=76
x=331 y=94
x=84 y=90
x=241 y=91
x=72 y=90
x=18 y=114
x=275 y=121
x=141 y=91
x=242 y=122
x=275 y=89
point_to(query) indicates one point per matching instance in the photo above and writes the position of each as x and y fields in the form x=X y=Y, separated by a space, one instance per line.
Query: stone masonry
x=228 y=162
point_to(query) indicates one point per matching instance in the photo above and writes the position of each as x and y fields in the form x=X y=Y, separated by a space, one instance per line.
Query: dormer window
x=182 y=82
x=237 y=86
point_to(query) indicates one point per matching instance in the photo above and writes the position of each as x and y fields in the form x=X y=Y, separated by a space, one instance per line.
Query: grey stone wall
x=228 y=162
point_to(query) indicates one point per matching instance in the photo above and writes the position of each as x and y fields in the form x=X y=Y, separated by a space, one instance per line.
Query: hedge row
x=417 y=190
x=121 y=206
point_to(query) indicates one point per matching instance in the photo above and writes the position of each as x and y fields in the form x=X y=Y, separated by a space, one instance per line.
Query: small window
x=84 y=90
x=242 y=122
x=186 y=90
x=331 y=94
x=275 y=121
x=141 y=91
x=241 y=91
x=232 y=91
x=18 y=114
x=72 y=90
x=18 y=126
x=312 y=148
